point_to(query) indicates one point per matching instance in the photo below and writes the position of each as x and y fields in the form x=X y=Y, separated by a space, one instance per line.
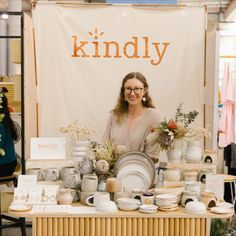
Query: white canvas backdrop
x=87 y=86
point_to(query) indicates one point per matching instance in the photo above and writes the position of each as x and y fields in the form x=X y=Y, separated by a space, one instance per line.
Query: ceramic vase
x=86 y=166
x=176 y=153
x=80 y=149
x=193 y=152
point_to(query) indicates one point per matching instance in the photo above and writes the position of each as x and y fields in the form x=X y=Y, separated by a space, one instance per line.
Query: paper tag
x=48 y=148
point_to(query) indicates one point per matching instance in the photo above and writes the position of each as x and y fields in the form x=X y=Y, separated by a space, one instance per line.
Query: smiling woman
x=133 y=117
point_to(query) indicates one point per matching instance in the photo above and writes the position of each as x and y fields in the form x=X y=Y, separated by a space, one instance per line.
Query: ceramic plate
x=135 y=155
x=142 y=162
x=138 y=161
x=197 y=212
x=133 y=179
x=221 y=210
x=149 y=207
x=168 y=209
x=134 y=167
x=20 y=207
x=224 y=204
x=166 y=196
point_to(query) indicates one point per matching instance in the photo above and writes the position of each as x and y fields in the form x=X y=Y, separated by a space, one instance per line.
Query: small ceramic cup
x=68 y=170
x=113 y=185
x=36 y=171
x=51 y=174
x=89 y=183
x=147 y=200
x=72 y=181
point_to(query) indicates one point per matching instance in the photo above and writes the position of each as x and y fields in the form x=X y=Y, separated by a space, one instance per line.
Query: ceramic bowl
x=107 y=206
x=128 y=204
x=148 y=207
x=195 y=207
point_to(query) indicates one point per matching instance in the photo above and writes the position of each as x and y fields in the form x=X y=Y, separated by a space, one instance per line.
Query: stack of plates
x=166 y=202
x=178 y=190
x=136 y=170
x=149 y=209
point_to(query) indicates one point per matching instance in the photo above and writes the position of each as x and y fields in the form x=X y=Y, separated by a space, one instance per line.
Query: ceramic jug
x=65 y=197
x=194 y=151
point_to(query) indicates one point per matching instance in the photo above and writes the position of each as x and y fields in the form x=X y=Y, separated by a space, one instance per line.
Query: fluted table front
x=122 y=223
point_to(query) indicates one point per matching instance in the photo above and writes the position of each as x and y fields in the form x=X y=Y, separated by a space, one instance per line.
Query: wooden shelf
x=193 y=166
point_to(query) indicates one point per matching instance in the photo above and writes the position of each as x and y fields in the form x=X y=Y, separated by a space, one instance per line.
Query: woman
x=133 y=117
x=8 y=133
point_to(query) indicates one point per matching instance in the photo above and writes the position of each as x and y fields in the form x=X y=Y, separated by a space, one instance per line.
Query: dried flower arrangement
x=105 y=156
x=77 y=133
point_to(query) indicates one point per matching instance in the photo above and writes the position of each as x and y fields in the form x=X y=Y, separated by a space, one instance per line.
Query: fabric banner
x=84 y=51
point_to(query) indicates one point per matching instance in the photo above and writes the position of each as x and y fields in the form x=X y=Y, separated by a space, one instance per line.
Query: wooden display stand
x=130 y=223
x=197 y=165
x=193 y=166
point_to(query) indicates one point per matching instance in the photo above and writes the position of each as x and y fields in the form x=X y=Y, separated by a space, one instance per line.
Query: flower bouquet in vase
x=169 y=135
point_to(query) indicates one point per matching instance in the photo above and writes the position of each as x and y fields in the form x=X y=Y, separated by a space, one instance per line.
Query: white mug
x=97 y=197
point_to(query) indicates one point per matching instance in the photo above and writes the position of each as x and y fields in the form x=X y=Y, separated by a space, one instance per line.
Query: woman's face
x=133 y=91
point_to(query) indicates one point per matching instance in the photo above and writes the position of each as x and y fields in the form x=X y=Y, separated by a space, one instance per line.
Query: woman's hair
x=7 y=121
x=122 y=106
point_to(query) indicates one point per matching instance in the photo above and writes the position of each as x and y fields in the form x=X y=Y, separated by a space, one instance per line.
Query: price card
x=27 y=180
x=51 y=208
x=37 y=208
x=215 y=183
x=48 y=148
x=20 y=195
x=35 y=195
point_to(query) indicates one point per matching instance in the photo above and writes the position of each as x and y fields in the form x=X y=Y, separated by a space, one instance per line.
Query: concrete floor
x=15 y=231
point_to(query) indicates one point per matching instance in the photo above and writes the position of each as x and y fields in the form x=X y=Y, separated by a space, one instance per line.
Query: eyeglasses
x=136 y=90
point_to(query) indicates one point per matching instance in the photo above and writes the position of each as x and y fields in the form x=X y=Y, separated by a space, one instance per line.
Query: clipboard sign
x=48 y=148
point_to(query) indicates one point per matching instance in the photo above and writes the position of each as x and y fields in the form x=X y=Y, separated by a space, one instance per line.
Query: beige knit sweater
x=134 y=138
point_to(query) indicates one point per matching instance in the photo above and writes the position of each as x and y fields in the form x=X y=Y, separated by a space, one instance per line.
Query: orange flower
x=172 y=124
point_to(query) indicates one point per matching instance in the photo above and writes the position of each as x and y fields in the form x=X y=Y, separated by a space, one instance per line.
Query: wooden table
x=231 y=179
x=122 y=223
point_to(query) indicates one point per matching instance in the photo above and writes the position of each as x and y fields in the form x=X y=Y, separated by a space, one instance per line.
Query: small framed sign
x=48 y=148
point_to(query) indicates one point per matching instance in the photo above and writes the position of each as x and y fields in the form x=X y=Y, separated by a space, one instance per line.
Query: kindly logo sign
x=134 y=48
